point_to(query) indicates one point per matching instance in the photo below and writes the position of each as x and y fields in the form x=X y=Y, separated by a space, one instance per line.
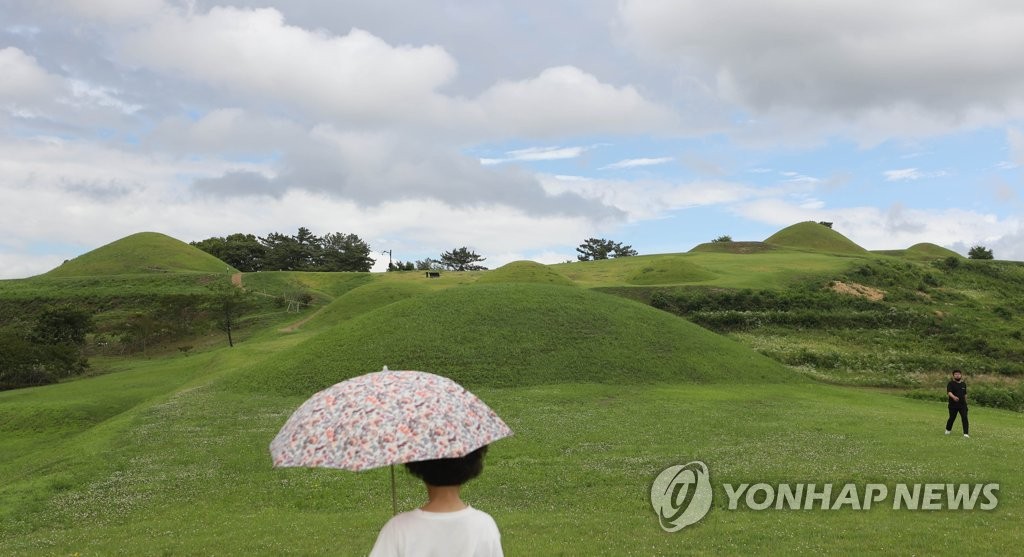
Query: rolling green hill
x=813 y=236
x=524 y=271
x=926 y=251
x=145 y=252
x=515 y=334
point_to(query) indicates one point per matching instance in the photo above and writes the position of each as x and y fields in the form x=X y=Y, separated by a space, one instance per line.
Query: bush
x=979 y=252
x=998 y=397
x=24 y=363
x=950 y=263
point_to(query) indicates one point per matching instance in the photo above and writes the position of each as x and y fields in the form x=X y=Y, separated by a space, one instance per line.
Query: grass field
x=168 y=455
x=188 y=472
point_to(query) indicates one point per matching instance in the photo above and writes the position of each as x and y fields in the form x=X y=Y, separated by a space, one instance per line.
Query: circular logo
x=681 y=495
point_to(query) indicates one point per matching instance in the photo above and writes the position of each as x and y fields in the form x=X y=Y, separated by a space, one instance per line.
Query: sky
x=516 y=129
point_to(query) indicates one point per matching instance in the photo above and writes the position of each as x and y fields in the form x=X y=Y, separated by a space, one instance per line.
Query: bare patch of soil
x=854 y=289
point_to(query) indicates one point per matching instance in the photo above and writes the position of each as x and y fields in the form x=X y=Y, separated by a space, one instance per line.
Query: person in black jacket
x=956 y=391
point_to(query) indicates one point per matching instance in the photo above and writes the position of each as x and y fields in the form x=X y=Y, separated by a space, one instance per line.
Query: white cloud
x=89 y=94
x=358 y=79
x=23 y=30
x=226 y=131
x=647 y=199
x=909 y=174
x=19 y=265
x=255 y=53
x=538 y=154
x=633 y=163
x=115 y=11
x=875 y=64
x=24 y=83
x=796 y=177
x=97 y=194
x=566 y=100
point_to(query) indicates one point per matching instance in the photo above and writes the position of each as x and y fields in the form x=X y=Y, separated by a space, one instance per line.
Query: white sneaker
x=947 y=432
x=967 y=436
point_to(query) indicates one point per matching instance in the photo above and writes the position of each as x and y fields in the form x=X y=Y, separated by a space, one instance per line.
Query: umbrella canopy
x=387 y=417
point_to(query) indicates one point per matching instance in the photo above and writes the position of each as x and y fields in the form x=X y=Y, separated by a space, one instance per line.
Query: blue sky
x=516 y=129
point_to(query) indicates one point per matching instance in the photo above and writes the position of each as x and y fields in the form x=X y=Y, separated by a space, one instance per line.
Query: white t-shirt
x=418 y=533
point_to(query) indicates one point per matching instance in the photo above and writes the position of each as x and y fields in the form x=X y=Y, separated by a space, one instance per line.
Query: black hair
x=956 y=371
x=449 y=471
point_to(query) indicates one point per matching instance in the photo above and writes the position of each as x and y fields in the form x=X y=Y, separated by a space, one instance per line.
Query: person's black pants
x=953 y=411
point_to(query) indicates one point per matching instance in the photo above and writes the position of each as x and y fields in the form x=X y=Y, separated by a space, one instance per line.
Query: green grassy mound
x=524 y=271
x=671 y=270
x=145 y=252
x=514 y=335
x=813 y=236
x=926 y=251
x=732 y=247
x=365 y=299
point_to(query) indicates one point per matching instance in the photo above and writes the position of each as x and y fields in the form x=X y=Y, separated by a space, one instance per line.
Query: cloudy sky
x=518 y=129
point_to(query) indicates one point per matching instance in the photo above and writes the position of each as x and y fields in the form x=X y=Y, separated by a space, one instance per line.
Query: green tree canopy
x=344 y=252
x=462 y=259
x=593 y=249
x=979 y=252
x=242 y=251
x=428 y=264
x=303 y=251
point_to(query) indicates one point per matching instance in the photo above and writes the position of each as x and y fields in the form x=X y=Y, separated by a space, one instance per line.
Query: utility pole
x=389 y=257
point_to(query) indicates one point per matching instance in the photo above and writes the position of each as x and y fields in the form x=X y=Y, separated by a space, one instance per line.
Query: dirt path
x=295 y=326
x=236 y=279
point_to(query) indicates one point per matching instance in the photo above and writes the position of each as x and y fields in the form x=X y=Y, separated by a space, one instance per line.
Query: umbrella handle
x=394 y=498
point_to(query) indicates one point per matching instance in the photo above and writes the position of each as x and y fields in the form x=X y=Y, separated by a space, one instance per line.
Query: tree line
x=303 y=251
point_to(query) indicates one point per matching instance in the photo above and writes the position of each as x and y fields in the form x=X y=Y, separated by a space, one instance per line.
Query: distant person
x=445 y=526
x=956 y=391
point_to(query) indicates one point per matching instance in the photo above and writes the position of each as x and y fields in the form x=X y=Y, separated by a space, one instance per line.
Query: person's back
x=418 y=533
x=445 y=526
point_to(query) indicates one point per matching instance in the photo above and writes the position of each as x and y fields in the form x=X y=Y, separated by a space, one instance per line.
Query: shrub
x=979 y=252
x=997 y=397
x=950 y=263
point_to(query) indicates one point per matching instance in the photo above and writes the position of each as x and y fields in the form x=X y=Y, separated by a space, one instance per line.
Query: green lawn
x=190 y=474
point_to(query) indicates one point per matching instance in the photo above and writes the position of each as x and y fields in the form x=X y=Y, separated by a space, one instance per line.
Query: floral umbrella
x=386 y=418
